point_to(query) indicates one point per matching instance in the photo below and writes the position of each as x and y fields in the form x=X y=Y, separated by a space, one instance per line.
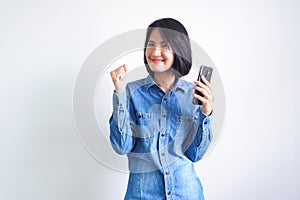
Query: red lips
x=156 y=60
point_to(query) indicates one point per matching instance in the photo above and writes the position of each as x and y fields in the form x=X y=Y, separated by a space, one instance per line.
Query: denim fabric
x=162 y=135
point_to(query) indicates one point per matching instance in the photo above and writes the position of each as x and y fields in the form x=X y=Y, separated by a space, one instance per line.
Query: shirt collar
x=180 y=84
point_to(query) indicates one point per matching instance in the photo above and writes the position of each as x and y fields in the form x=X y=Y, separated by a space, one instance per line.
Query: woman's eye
x=150 y=45
x=165 y=46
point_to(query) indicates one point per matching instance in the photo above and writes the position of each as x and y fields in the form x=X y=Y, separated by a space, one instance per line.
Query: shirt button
x=167 y=172
x=164 y=115
x=162 y=154
x=163 y=135
x=169 y=192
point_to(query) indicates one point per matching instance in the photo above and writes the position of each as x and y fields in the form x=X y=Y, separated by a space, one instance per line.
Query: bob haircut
x=175 y=34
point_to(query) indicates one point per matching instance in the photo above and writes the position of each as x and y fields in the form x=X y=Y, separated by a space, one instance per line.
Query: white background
x=254 y=44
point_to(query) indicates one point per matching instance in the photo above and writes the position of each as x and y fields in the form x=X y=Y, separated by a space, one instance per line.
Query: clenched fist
x=117 y=77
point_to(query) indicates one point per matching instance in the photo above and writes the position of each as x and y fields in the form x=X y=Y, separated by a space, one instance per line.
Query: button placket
x=163 y=148
x=169 y=183
x=163 y=139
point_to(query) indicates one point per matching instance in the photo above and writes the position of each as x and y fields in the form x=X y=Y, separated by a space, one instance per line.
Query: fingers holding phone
x=203 y=92
x=117 y=77
x=202 y=88
x=205 y=97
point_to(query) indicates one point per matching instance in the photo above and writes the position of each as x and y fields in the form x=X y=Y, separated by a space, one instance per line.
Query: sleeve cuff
x=205 y=120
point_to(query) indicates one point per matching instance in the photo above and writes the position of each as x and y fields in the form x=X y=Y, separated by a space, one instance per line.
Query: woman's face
x=159 y=54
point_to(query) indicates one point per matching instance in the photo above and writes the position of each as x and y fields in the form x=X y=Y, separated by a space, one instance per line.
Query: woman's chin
x=158 y=67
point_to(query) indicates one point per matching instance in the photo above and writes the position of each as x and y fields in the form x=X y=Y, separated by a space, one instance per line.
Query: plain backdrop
x=43 y=44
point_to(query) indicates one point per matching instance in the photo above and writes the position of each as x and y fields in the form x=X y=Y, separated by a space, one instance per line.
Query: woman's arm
x=202 y=139
x=203 y=135
x=120 y=130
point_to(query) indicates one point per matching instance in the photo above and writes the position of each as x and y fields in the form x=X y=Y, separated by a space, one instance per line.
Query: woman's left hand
x=208 y=98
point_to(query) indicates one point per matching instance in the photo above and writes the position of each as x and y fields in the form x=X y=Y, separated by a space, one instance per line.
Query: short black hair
x=174 y=33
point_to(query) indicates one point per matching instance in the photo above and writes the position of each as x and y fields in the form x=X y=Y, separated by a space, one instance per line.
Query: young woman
x=155 y=122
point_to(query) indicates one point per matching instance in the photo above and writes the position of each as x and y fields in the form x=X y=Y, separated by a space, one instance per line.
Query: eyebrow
x=160 y=43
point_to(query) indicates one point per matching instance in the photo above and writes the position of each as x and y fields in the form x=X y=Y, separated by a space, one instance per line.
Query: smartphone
x=206 y=72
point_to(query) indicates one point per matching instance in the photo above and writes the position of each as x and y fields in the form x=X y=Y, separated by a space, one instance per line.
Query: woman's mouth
x=156 y=60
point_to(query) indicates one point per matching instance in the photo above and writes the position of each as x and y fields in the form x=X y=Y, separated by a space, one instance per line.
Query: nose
x=157 y=51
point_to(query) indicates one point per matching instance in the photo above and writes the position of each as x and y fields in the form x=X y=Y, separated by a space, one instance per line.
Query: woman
x=155 y=122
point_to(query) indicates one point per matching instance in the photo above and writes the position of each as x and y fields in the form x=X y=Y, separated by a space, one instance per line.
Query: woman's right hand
x=117 y=77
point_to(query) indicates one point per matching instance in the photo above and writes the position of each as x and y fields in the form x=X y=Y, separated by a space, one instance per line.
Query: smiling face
x=159 y=54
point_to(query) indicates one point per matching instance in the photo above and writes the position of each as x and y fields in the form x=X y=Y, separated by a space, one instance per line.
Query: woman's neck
x=165 y=80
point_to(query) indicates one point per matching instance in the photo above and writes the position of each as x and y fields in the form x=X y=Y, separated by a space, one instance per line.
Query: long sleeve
x=202 y=139
x=120 y=129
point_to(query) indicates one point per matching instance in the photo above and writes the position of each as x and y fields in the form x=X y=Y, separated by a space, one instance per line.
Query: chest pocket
x=184 y=123
x=144 y=131
x=143 y=126
x=142 y=118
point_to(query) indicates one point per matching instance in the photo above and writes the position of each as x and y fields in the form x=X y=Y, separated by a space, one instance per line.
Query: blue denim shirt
x=162 y=135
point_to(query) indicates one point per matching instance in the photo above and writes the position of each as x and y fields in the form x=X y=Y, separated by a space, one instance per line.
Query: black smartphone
x=206 y=72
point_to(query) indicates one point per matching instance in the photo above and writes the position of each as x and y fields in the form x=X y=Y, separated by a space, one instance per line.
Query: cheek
x=147 y=55
x=147 y=52
x=170 y=57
